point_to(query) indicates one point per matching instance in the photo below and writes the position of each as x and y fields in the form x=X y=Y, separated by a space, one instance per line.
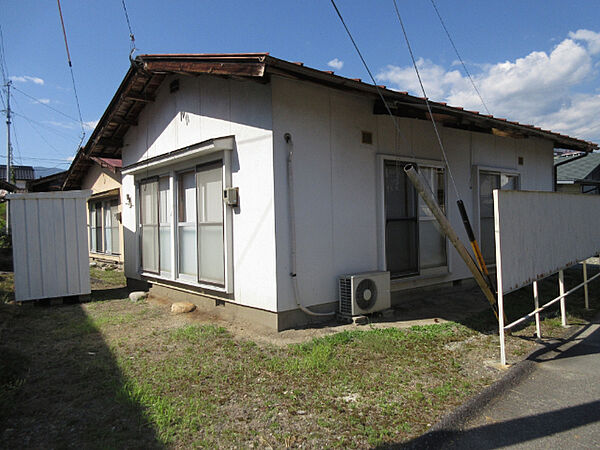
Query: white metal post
x=501 y=326
x=561 y=288
x=585 y=286
x=536 y=302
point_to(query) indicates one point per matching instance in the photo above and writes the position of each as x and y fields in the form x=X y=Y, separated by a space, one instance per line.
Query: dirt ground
x=111 y=373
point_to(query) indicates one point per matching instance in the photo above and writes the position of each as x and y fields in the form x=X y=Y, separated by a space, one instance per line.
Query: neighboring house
x=578 y=173
x=192 y=129
x=103 y=177
x=20 y=175
x=48 y=183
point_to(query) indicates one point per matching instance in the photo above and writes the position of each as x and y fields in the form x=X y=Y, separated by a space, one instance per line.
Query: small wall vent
x=367 y=137
x=174 y=86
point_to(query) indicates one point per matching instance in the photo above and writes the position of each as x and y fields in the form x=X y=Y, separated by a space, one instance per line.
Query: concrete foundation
x=228 y=310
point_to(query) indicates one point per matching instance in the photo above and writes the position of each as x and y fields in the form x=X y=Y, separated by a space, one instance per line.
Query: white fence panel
x=50 y=246
x=540 y=233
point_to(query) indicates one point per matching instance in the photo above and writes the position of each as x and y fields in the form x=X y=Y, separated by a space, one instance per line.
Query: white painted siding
x=205 y=108
x=540 y=233
x=336 y=183
x=50 y=252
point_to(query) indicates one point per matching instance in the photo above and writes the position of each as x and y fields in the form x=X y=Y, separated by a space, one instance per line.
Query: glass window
x=413 y=238
x=401 y=221
x=432 y=242
x=488 y=181
x=114 y=221
x=149 y=225
x=107 y=228
x=211 y=266
x=165 y=217
x=93 y=226
x=186 y=223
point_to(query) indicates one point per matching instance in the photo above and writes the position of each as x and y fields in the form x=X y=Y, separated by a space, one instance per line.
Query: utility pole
x=8 y=150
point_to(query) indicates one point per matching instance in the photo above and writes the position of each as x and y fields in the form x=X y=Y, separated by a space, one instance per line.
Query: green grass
x=113 y=373
x=111 y=277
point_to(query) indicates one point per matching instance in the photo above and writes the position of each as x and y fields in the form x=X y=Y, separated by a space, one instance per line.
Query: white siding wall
x=336 y=179
x=208 y=107
x=50 y=251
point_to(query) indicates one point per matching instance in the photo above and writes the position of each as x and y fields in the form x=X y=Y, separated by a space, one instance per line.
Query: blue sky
x=533 y=61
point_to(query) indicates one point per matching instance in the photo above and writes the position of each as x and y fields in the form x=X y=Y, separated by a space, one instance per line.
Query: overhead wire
x=437 y=134
x=132 y=48
x=72 y=74
x=3 y=66
x=366 y=66
x=459 y=57
x=41 y=102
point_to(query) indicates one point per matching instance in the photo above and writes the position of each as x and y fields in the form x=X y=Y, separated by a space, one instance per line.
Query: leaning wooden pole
x=425 y=192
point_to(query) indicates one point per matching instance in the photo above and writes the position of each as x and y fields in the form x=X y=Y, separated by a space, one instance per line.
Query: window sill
x=184 y=282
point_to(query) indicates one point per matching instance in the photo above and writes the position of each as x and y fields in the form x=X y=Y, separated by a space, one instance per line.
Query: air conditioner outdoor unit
x=364 y=293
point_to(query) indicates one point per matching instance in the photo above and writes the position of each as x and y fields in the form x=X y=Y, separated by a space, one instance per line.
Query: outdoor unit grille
x=364 y=293
x=345 y=296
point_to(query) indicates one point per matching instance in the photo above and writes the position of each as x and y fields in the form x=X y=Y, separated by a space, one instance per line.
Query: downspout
x=292 y=217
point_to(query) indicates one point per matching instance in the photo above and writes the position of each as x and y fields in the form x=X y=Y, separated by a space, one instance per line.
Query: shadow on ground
x=465 y=303
x=48 y=359
x=523 y=429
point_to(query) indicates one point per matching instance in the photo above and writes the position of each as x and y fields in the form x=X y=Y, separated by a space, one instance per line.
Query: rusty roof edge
x=391 y=94
x=137 y=66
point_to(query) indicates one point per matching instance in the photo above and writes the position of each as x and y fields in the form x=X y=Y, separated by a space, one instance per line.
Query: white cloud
x=590 y=37
x=26 y=78
x=336 y=64
x=65 y=125
x=538 y=88
x=45 y=101
x=90 y=125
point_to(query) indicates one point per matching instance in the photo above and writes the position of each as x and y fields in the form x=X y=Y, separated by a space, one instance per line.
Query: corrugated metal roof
x=19 y=172
x=577 y=168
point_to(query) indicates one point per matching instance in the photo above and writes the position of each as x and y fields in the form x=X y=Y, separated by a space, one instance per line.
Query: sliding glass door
x=209 y=191
x=186 y=224
x=149 y=225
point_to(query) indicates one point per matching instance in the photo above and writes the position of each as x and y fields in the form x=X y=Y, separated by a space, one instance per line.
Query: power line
x=131 y=36
x=37 y=100
x=3 y=66
x=437 y=134
x=389 y=111
x=72 y=75
x=459 y=57
x=41 y=135
x=47 y=127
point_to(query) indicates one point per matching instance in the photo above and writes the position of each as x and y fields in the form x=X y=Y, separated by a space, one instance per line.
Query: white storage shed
x=50 y=244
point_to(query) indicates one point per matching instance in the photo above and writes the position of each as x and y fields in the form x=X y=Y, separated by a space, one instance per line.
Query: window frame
x=171 y=169
x=423 y=273
x=101 y=226
x=476 y=177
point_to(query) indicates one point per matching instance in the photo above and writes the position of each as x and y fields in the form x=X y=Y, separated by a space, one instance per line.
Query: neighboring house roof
x=82 y=163
x=574 y=168
x=19 y=172
x=147 y=72
x=48 y=183
x=5 y=185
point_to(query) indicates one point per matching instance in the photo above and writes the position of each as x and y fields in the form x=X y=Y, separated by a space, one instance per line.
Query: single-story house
x=579 y=174
x=251 y=184
x=102 y=175
x=20 y=175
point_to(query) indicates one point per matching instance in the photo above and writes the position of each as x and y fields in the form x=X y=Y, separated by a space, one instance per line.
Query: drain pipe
x=292 y=216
